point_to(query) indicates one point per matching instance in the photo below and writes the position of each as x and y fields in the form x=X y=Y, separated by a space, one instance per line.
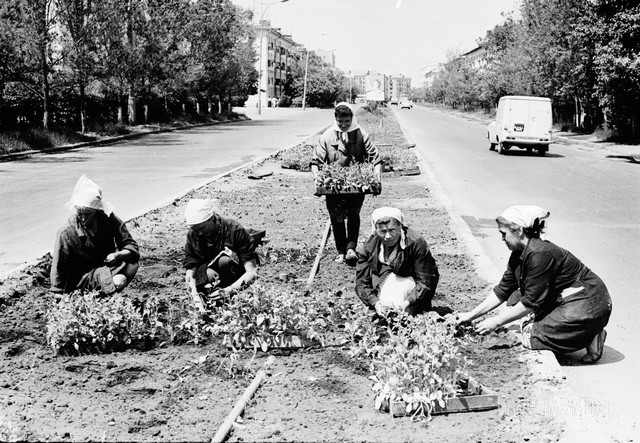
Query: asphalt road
x=595 y=214
x=137 y=175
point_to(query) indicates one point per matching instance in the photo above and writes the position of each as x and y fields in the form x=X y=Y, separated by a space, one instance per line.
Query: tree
x=325 y=84
x=79 y=51
x=617 y=64
x=32 y=23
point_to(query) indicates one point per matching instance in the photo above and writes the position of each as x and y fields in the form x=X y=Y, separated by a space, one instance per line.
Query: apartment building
x=276 y=54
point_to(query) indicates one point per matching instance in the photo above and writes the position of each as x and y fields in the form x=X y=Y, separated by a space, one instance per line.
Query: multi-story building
x=398 y=86
x=276 y=54
x=476 y=58
x=391 y=86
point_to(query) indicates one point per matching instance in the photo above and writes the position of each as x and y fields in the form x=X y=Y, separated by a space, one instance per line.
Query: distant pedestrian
x=395 y=269
x=94 y=250
x=345 y=143
x=567 y=304
x=220 y=255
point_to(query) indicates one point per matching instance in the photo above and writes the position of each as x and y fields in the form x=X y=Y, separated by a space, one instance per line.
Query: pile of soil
x=181 y=391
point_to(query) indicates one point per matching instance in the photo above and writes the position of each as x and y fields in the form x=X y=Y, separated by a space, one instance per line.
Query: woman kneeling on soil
x=94 y=250
x=395 y=270
x=568 y=303
x=220 y=255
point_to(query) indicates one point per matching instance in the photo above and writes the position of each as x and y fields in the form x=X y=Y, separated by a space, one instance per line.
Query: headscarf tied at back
x=386 y=212
x=525 y=215
x=199 y=210
x=87 y=194
x=354 y=123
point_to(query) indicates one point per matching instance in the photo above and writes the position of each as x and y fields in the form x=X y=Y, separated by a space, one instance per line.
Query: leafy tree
x=325 y=85
x=617 y=64
x=79 y=49
x=32 y=24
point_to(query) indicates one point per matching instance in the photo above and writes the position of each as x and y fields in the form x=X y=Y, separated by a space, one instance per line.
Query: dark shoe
x=595 y=349
x=351 y=258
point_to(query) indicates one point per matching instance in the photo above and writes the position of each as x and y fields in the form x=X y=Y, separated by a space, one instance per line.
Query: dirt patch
x=184 y=392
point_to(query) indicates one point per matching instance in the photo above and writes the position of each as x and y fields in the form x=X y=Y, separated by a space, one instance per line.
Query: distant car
x=406 y=103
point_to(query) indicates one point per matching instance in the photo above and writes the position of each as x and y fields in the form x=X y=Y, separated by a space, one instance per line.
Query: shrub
x=85 y=323
x=417 y=361
x=298 y=157
x=266 y=313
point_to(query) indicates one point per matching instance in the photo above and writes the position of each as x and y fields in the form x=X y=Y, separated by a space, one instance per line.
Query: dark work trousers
x=345 y=207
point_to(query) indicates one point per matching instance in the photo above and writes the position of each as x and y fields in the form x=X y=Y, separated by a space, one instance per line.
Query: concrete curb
x=165 y=202
x=551 y=395
x=106 y=141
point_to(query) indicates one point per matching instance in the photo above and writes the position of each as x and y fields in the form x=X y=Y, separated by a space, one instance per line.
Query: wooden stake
x=316 y=263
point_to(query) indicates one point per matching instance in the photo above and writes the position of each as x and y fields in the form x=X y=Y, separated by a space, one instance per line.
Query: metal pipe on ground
x=316 y=263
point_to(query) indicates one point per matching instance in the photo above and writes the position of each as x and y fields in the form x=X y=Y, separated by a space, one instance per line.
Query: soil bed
x=180 y=391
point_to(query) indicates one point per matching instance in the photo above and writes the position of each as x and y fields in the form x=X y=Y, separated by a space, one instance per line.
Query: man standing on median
x=345 y=143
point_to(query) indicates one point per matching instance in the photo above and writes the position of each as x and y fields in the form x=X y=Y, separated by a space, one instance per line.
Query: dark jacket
x=200 y=249
x=415 y=260
x=359 y=149
x=541 y=272
x=75 y=253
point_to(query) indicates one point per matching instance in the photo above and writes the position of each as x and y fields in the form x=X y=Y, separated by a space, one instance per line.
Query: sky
x=388 y=36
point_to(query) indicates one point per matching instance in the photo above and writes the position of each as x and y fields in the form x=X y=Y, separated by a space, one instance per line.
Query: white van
x=521 y=121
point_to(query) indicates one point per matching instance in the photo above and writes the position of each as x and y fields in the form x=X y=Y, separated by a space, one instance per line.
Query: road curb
x=165 y=202
x=552 y=396
x=109 y=140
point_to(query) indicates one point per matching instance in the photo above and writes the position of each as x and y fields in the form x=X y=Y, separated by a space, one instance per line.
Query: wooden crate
x=289 y=342
x=348 y=191
x=486 y=400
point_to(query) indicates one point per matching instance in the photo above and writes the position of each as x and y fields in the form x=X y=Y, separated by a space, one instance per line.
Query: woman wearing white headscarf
x=345 y=143
x=220 y=255
x=568 y=303
x=396 y=269
x=94 y=250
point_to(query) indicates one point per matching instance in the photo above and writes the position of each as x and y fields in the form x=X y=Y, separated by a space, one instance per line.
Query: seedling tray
x=348 y=191
x=288 y=342
x=486 y=400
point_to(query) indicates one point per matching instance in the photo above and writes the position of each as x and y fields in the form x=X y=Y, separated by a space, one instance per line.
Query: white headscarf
x=354 y=123
x=525 y=215
x=384 y=212
x=198 y=210
x=88 y=194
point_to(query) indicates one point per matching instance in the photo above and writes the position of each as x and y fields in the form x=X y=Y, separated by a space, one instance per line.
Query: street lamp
x=306 y=71
x=260 y=53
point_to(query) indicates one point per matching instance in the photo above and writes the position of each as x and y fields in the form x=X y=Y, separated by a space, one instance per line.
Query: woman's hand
x=463 y=317
x=112 y=259
x=487 y=325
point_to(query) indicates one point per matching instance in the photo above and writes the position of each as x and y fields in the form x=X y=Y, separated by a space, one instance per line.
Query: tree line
x=83 y=64
x=584 y=55
x=73 y=63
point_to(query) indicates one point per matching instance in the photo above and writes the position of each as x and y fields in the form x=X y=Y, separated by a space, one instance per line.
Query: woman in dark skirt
x=568 y=305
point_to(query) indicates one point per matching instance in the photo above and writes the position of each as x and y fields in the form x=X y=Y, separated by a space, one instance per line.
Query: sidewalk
x=590 y=141
x=140 y=132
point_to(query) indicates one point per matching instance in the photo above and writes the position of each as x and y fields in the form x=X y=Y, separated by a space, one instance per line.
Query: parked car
x=405 y=102
x=521 y=121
